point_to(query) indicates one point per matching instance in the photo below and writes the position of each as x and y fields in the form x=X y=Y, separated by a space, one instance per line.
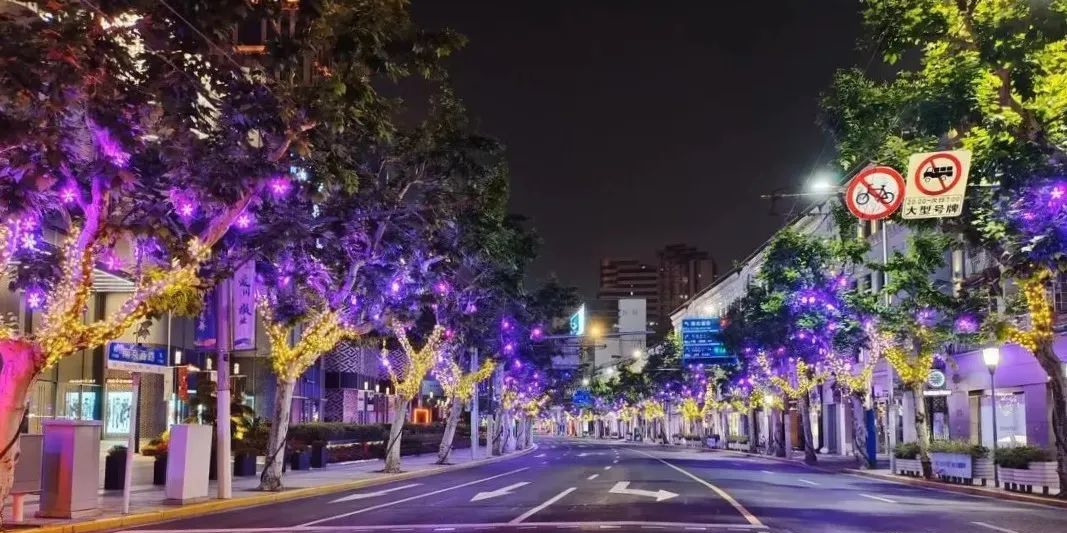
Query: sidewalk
x=147 y=501
x=977 y=490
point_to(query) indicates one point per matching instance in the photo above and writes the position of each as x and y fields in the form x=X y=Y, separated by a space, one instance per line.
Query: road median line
x=751 y=518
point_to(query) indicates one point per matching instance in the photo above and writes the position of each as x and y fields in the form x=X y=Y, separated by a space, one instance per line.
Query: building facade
x=683 y=272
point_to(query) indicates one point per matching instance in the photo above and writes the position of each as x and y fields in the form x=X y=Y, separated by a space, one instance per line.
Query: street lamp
x=637 y=353
x=585 y=382
x=991 y=356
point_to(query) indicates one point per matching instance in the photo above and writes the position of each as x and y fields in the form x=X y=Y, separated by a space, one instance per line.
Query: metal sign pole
x=474 y=408
x=130 y=443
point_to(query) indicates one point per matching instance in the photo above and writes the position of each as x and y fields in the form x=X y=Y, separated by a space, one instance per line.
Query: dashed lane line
x=995 y=528
x=879 y=498
x=807 y=481
x=592 y=477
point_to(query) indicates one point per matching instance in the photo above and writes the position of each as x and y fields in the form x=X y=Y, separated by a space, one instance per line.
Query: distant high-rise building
x=683 y=272
x=630 y=278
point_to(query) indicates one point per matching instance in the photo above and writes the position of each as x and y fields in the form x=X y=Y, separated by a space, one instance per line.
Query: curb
x=961 y=489
x=196 y=509
x=796 y=462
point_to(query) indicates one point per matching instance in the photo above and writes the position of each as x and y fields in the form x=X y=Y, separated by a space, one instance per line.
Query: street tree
x=126 y=135
x=923 y=321
x=987 y=77
x=407 y=368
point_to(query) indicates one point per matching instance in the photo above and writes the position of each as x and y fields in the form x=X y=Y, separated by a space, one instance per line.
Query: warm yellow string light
x=417 y=363
x=322 y=333
x=1040 y=309
x=913 y=367
x=690 y=409
x=459 y=385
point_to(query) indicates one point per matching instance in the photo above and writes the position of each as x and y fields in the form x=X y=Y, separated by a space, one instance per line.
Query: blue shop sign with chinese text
x=134 y=357
x=702 y=341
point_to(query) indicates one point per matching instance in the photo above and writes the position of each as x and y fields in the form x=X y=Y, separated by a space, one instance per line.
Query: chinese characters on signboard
x=244 y=307
x=702 y=341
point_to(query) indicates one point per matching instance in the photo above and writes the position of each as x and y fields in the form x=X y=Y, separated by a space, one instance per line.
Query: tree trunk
x=922 y=431
x=396 y=431
x=18 y=369
x=454 y=413
x=809 y=439
x=271 y=478
x=859 y=431
x=1057 y=388
x=520 y=433
x=529 y=432
x=783 y=447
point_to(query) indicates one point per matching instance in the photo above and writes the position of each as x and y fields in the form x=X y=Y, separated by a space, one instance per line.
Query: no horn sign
x=875 y=193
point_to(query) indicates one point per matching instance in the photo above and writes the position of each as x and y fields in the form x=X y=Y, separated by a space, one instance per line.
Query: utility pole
x=474 y=407
x=222 y=393
x=891 y=407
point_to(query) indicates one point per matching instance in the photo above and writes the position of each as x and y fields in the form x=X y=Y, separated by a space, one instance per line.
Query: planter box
x=300 y=461
x=1038 y=475
x=318 y=456
x=983 y=470
x=115 y=471
x=159 y=470
x=953 y=467
x=909 y=467
x=244 y=465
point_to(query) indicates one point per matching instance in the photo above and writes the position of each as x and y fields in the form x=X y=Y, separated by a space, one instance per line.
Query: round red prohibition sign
x=938 y=174
x=875 y=193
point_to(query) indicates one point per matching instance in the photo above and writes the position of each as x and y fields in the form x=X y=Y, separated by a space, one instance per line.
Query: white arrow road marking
x=622 y=487
x=879 y=498
x=408 y=499
x=364 y=495
x=806 y=481
x=995 y=528
x=498 y=492
x=539 y=508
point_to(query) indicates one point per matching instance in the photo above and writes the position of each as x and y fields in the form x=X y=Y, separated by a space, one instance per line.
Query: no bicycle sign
x=875 y=193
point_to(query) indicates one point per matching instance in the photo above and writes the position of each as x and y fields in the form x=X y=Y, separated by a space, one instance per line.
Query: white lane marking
x=696 y=529
x=623 y=487
x=879 y=498
x=607 y=467
x=806 y=481
x=592 y=477
x=615 y=462
x=608 y=526
x=362 y=495
x=540 y=455
x=539 y=508
x=751 y=518
x=995 y=528
x=766 y=471
x=498 y=492
x=481 y=526
x=410 y=498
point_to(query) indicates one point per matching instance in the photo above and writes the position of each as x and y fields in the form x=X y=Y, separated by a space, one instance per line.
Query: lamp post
x=991 y=356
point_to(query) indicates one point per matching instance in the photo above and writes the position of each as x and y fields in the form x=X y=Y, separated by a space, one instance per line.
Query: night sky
x=633 y=124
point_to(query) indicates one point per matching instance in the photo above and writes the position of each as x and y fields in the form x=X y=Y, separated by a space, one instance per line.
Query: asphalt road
x=586 y=485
